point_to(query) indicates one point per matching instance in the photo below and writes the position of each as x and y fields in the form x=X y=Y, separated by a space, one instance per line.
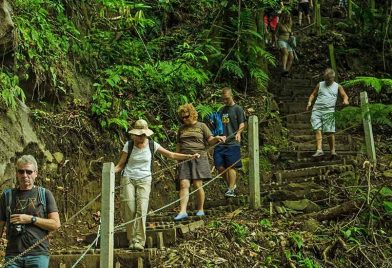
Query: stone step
x=299 y=125
x=296 y=81
x=313 y=163
x=309 y=146
x=306 y=156
x=122 y=258
x=289 y=175
x=339 y=138
x=291 y=107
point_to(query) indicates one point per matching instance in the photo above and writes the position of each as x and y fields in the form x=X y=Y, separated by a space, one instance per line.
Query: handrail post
x=107 y=216
x=332 y=58
x=254 y=171
x=367 y=126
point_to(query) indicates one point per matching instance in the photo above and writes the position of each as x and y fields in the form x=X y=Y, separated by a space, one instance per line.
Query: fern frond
x=260 y=76
x=373 y=82
x=233 y=68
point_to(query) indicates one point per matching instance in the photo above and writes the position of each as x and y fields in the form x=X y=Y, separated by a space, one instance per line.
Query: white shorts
x=324 y=121
x=285 y=44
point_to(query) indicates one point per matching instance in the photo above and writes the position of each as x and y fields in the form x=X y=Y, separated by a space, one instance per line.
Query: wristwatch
x=33 y=219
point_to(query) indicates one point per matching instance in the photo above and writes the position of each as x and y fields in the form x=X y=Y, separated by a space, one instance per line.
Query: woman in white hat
x=136 y=164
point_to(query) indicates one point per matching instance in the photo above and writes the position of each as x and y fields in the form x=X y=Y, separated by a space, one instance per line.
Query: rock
x=348 y=178
x=304 y=205
x=6 y=28
x=311 y=225
x=387 y=173
x=297 y=191
x=59 y=157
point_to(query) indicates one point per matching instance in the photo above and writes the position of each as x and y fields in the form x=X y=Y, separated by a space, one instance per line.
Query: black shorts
x=304 y=8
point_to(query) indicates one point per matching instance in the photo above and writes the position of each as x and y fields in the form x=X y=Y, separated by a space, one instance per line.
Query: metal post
x=107 y=218
x=254 y=171
x=367 y=126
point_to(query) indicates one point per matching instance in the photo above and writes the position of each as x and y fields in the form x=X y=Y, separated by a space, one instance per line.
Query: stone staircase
x=300 y=183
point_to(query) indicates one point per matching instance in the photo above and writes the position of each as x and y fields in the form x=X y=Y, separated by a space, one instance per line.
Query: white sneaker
x=318 y=153
x=230 y=193
x=138 y=246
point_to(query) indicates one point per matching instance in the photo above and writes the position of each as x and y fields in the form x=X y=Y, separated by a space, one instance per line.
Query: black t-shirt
x=27 y=202
x=232 y=117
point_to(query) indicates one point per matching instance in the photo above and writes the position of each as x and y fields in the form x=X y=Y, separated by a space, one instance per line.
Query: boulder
x=304 y=205
x=6 y=28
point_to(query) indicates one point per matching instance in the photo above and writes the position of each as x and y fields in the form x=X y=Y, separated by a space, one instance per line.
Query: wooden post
x=372 y=4
x=318 y=21
x=331 y=50
x=107 y=218
x=350 y=9
x=367 y=126
x=254 y=173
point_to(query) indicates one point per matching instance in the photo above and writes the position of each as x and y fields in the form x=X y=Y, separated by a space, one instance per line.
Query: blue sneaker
x=181 y=216
x=200 y=213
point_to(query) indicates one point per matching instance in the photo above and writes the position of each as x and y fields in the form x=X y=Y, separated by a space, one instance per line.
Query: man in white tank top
x=323 y=119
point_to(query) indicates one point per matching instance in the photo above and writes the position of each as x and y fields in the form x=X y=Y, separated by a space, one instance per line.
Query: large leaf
x=386 y=192
x=388 y=207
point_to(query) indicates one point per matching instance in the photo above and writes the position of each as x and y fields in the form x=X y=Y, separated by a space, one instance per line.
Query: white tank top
x=326 y=97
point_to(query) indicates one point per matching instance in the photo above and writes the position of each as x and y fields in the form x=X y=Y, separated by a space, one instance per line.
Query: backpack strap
x=130 y=148
x=8 y=202
x=152 y=150
x=42 y=199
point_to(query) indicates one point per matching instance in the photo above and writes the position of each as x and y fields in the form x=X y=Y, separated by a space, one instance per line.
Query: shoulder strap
x=130 y=148
x=42 y=199
x=152 y=150
x=8 y=202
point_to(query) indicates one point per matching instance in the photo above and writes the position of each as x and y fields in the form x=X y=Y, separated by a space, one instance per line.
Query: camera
x=17 y=229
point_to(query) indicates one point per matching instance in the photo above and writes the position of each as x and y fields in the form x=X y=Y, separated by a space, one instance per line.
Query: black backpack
x=150 y=145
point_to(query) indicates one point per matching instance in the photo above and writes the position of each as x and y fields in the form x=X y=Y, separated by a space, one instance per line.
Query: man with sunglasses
x=228 y=154
x=29 y=213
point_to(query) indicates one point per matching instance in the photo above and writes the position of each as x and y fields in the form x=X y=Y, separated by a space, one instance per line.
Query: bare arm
x=343 y=95
x=213 y=140
x=239 y=131
x=121 y=163
x=313 y=96
x=176 y=156
x=52 y=223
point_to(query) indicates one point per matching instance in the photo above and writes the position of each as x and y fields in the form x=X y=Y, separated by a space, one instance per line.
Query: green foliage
x=45 y=35
x=265 y=223
x=353 y=233
x=240 y=231
x=297 y=239
x=10 y=90
x=372 y=82
x=379 y=113
x=206 y=109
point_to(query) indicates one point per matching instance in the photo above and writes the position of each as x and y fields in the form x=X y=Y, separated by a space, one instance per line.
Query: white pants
x=135 y=194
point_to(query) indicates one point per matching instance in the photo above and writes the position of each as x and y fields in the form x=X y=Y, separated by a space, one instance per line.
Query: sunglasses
x=23 y=171
x=185 y=116
x=142 y=135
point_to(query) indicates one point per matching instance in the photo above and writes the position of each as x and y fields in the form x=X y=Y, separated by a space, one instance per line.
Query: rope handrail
x=120 y=186
x=118 y=227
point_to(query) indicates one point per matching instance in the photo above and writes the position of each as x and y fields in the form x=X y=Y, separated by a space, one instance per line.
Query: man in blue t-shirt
x=227 y=154
x=29 y=217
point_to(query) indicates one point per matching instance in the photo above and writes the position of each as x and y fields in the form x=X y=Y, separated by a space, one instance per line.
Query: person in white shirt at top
x=136 y=180
x=304 y=8
x=322 y=118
